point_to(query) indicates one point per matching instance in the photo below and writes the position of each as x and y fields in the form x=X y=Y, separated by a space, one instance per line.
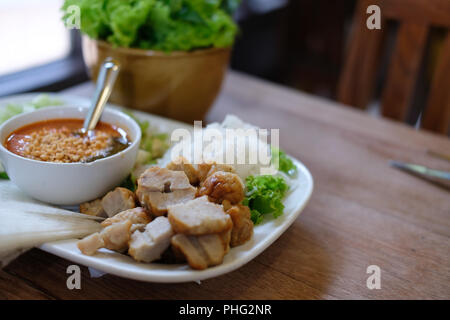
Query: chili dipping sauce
x=60 y=140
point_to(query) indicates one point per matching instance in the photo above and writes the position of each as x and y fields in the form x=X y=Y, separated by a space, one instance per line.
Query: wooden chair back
x=358 y=78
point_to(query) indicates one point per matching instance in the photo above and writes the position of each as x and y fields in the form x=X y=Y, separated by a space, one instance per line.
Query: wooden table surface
x=362 y=213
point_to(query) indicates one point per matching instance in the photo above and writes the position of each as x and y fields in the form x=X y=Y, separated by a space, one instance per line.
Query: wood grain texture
x=14 y=287
x=432 y=12
x=437 y=112
x=403 y=70
x=358 y=76
x=362 y=212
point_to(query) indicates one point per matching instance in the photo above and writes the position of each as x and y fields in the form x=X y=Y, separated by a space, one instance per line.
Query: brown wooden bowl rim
x=160 y=54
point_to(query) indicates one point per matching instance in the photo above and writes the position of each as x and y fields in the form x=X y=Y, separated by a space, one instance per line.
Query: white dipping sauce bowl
x=69 y=183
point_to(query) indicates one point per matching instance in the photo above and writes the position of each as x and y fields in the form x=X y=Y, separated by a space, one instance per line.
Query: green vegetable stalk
x=166 y=25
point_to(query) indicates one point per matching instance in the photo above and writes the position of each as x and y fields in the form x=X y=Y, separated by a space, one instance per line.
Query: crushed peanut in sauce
x=59 y=141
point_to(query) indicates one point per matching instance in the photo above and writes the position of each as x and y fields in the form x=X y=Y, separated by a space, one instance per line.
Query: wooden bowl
x=179 y=85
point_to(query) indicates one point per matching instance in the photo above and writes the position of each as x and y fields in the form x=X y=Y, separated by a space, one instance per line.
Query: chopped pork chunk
x=206 y=169
x=93 y=208
x=136 y=216
x=114 y=237
x=163 y=180
x=202 y=251
x=159 y=188
x=90 y=244
x=222 y=186
x=198 y=217
x=117 y=235
x=158 y=202
x=242 y=224
x=118 y=200
x=148 y=246
x=140 y=169
x=137 y=227
x=226 y=205
x=182 y=164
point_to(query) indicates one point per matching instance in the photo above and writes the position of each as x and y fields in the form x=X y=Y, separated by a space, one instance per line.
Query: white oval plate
x=124 y=266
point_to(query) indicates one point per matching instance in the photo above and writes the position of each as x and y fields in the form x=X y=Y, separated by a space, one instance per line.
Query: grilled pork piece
x=90 y=244
x=140 y=169
x=113 y=237
x=221 y=186
x=198 y=217
x=93 y=208
x=202 y=251
x=148 y=245
x=163 y=180
x=117 y=235
x=118 y=200
x=159 y=188
x=158 y=202
x=136 y=216
x=242 y=224
x=206 y=169
x=182 y=164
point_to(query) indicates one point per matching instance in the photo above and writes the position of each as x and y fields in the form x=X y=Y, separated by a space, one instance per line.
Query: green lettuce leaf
x=285 y=164
x=166 y=25
x=264 y=195
x=13 y=109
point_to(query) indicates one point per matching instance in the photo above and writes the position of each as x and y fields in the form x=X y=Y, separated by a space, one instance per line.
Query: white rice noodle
x=230 y=142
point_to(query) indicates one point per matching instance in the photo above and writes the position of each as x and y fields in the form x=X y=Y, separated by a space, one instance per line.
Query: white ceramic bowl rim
x=116 y=113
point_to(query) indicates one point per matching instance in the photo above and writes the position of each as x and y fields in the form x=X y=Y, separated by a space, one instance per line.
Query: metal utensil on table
x=105 y=83
x=442 y=178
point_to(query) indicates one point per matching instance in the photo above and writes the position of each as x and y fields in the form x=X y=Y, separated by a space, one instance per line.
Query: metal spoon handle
x=105 y=83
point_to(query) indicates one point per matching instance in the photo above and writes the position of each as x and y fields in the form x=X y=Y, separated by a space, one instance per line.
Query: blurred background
x=297 y=43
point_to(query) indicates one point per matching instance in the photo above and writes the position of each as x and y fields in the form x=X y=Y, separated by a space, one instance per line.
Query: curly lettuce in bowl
x=164 y=25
